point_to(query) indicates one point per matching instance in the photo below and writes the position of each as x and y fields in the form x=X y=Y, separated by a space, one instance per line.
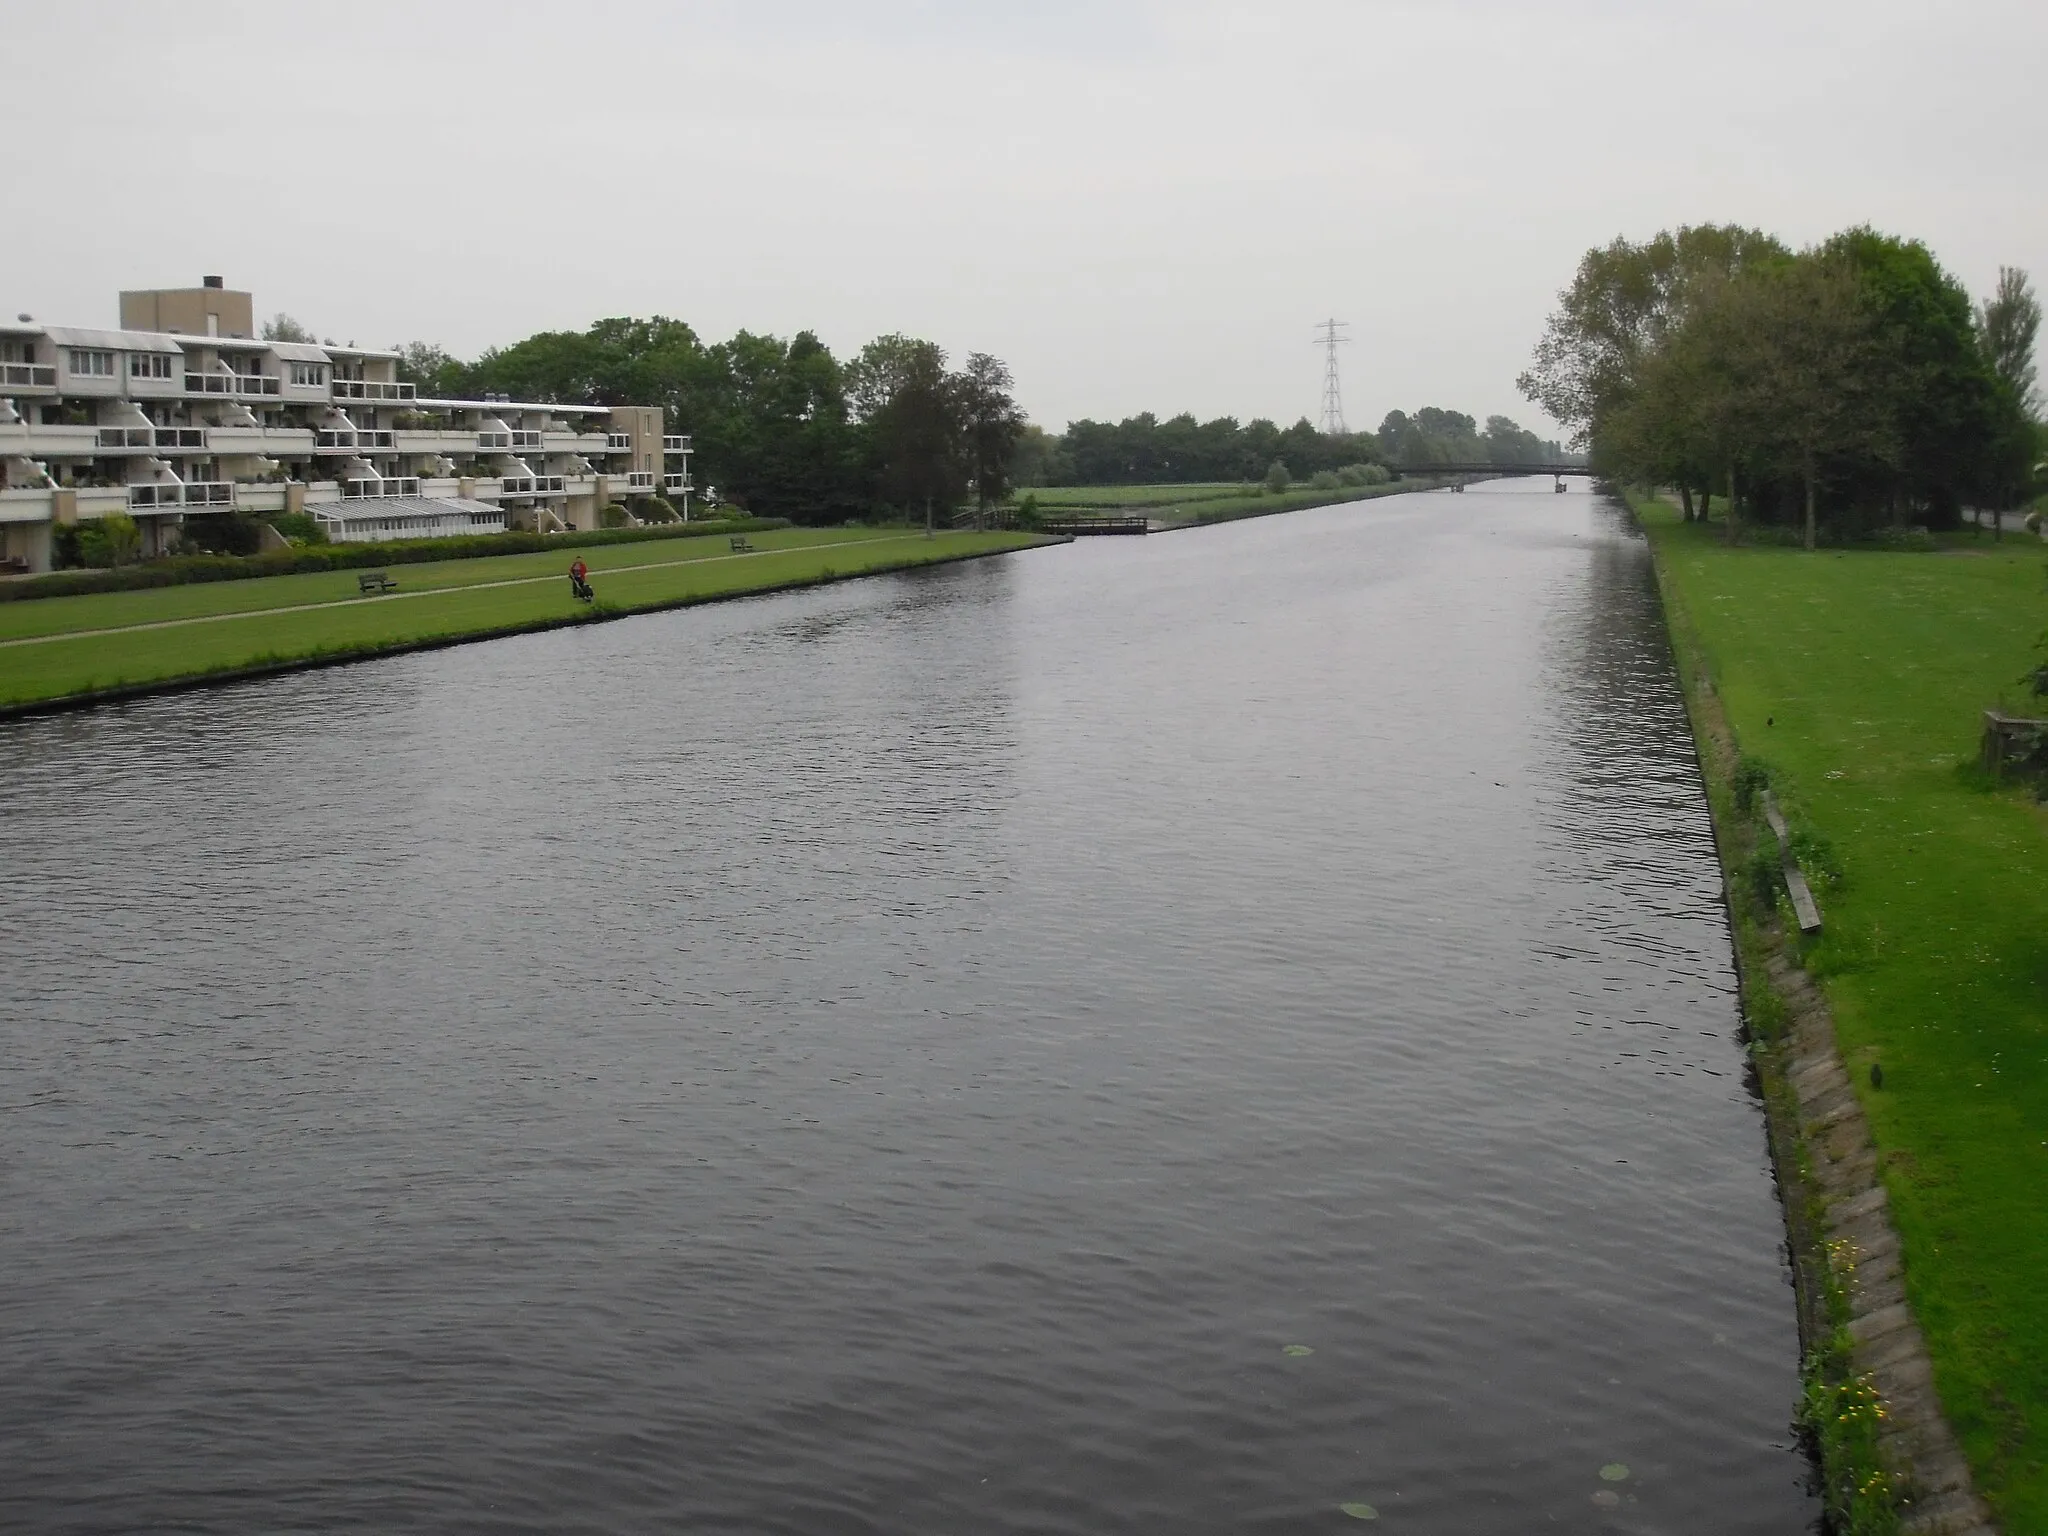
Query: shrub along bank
x=1854 y=681
x=181 y=569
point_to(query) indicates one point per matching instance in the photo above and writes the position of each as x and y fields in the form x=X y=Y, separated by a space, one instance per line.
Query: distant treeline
x=780 y=428
x=1143 y=450
x=1849 y=387
x=785 y=429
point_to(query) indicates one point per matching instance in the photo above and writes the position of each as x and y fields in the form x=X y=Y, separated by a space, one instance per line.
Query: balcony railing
x=521 y=441
x=372 y=389
x=126 y=437
x=640 y=480
x=675 y=444
x=390 y=485
x=28 y=375
x=376 y=438
x=490 y=441
x=618 y=442
x=532 y=485
x=231 y=383
x=180 y=437
x=193 y=493
x=334 y=439
x=676 y=482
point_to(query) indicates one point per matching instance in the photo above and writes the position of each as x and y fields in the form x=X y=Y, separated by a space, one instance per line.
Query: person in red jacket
x=579 y=580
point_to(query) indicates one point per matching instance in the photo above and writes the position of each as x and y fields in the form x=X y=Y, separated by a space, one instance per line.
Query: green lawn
x=1861 y=678
x=435 y=601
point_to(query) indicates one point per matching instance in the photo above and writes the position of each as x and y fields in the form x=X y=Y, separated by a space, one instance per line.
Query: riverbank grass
x=1858 y=680
x=65 y=647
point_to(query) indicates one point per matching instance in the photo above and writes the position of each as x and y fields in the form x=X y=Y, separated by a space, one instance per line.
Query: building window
x=155 y=365
x=308 y=375
x=98 y=365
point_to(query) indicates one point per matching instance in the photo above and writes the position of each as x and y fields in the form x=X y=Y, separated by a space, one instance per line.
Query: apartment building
x=185 y=412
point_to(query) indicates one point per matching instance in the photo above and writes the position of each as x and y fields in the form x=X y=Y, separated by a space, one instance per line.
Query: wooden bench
x=375 y=581
x=740 y=546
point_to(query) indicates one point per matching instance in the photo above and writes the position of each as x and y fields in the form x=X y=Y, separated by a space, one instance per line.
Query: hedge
x=181 y=569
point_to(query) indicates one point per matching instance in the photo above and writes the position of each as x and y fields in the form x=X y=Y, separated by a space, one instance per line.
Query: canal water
x=1175 y=1034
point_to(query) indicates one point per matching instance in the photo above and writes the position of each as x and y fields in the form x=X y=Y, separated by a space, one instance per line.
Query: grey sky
x=1139 y=206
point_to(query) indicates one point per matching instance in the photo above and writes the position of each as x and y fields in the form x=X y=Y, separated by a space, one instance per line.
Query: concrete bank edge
x=68 y=702
x=1837 y=1212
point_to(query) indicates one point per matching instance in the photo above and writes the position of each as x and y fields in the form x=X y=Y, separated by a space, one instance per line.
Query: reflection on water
x=1174 y=1033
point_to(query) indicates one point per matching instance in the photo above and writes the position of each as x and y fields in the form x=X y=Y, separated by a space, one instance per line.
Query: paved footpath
x=475 y=586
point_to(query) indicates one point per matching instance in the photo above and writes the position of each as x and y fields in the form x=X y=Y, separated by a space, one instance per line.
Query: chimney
x=213 y=282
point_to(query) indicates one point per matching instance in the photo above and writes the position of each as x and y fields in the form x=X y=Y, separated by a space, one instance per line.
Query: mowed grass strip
x=107 y=610
x=1861 y=678
x=98 y=662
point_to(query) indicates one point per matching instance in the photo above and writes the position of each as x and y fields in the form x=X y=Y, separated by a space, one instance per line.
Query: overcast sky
x=1139 y=206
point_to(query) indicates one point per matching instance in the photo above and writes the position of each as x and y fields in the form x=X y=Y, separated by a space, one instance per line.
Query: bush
x=1029 y=517
x=612 y=515
x=1324 y=480
x=112 y=540
x=658 y=509
x=1364 y=474
x=299 y=527
x=1752 y=777
x=1277 y=477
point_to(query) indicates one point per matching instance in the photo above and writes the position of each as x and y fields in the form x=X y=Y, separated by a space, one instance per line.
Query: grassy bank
x=71 y=647
x=1124 y=498
x=1229 y=509
x=1859 y=678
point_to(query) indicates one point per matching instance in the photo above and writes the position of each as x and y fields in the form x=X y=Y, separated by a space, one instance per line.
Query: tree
x=1811 y=366
x=919 y=427
x=2008 y=324
x=432 y=372
x=992 y=424
x=282 y=327
x=1278 y=477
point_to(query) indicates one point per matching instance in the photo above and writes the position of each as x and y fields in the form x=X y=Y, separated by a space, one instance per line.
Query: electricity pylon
x=1329 y=337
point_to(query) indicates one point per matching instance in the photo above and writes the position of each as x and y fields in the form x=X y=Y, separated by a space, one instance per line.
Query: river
x=1172 y=1034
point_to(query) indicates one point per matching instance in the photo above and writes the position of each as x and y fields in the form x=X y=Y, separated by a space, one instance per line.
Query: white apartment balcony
x=376 y=437
x=233 y=385
x=252 y=497
x=115 y=439
x=332 y=440
x=555 y=440
x=676 y=482
x=33 y=376
x=534 y=485
x=493 y=442
x=36 y=440
x=389 y=485
x=638 y=480
x=524 y=442
x=371 y=389
x=268 y=441
x=618 y=442
x=455 y=442
x=161 y=495
x=675 y=444
x=592 y=442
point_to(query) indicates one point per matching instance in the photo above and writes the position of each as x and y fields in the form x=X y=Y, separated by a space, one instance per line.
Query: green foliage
x=1842 y=1415
x=613 y=515
x=1277 y=477
x=109 y=541
x=299 y=527
x=1324 y=480
x=1752 y=778
x=1845 y=385
x=1028 y=515
x=1144 y=450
